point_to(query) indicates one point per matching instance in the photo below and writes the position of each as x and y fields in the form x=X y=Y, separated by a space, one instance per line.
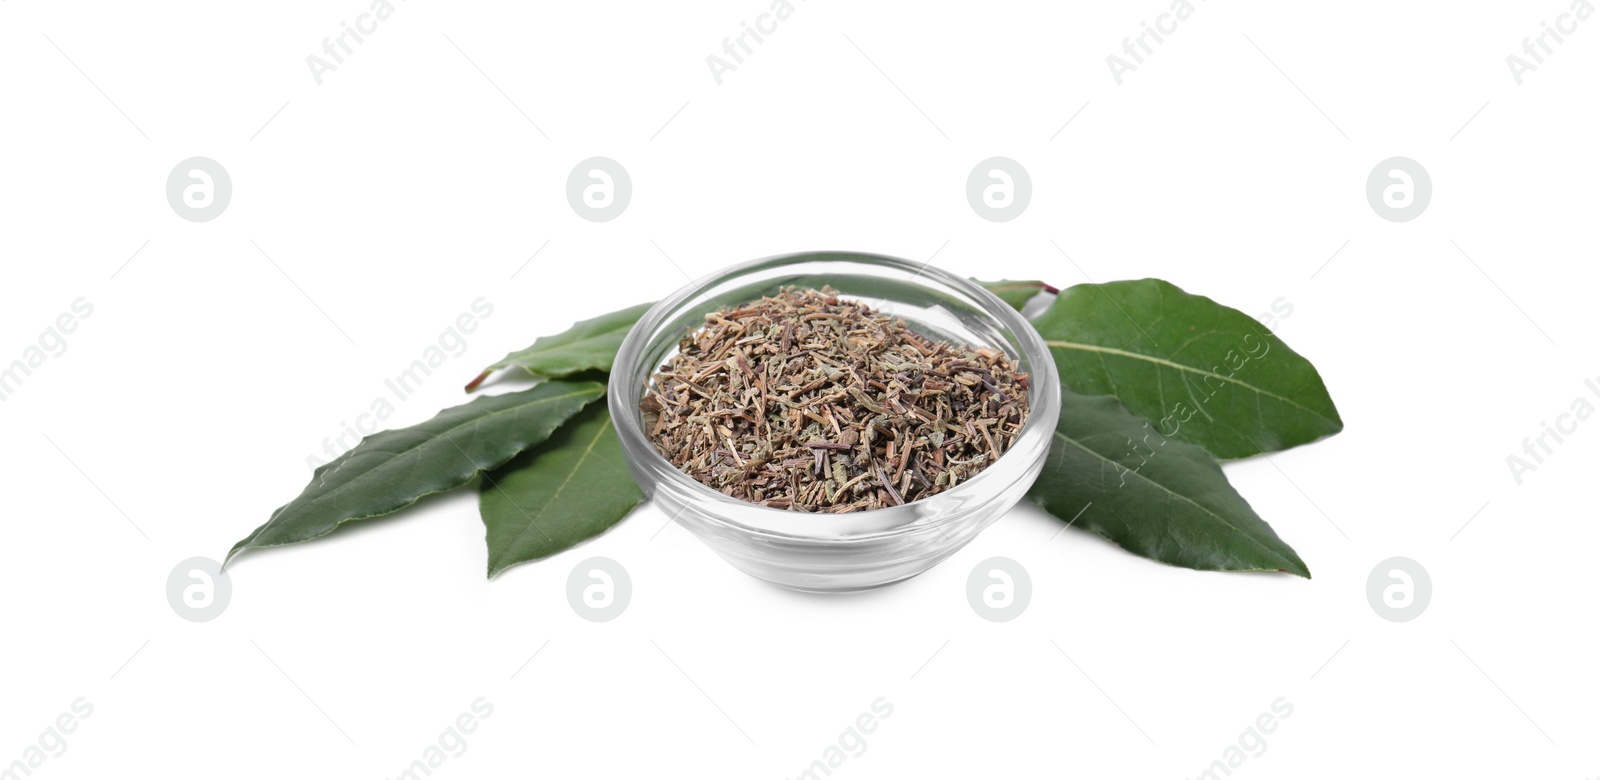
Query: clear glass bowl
x=857 y=550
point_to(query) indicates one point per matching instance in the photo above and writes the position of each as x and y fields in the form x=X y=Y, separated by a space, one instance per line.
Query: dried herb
x=809 y=402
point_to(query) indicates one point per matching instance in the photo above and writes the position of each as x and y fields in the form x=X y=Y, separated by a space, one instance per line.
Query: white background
x=413 y=180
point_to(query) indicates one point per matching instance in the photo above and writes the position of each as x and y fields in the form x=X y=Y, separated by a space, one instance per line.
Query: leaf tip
x=1297 y=567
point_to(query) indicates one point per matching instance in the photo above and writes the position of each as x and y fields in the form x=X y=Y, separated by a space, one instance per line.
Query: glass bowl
x=818 y=552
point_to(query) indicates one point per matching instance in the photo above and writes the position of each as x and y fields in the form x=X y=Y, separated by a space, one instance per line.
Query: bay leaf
x=391 y=470
x=587 y=345
x=1016 y=293
x=1110 y=472
x=566 y=491
x=1202 y=372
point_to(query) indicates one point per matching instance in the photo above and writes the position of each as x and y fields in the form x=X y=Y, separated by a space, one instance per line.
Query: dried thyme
x=808 y=402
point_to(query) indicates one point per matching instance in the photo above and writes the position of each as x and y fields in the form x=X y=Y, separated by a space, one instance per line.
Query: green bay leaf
x=1110 y=472
x=1016 y=293
x=586 y=346
x=1200 y=371
x=391 y=470
x=562 y=493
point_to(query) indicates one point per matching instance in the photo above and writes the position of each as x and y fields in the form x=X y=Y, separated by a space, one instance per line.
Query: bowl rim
x=1043 y=385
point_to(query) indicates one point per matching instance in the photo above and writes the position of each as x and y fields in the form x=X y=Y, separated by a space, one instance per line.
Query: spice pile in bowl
x=806 y=401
